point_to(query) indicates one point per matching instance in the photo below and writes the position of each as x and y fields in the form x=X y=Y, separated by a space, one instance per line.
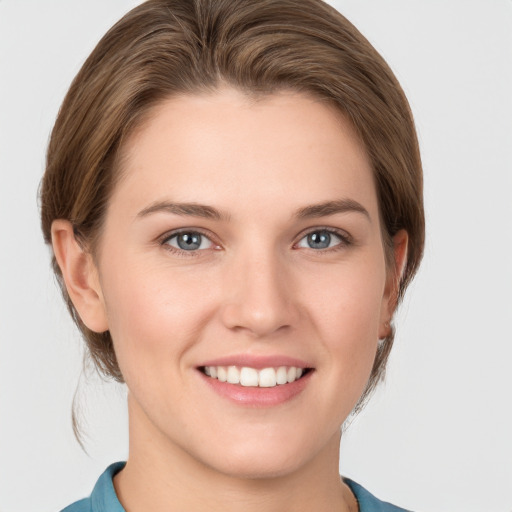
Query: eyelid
x=163 y=239
x=346 y=238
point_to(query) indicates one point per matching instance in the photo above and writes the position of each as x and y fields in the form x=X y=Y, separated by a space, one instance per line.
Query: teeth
x=267 y=378
x=221 y=373
x=250 y=377
x=282 y=375
x=233 y=375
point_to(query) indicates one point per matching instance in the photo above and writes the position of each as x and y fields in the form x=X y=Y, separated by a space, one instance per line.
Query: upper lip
x=257 y=362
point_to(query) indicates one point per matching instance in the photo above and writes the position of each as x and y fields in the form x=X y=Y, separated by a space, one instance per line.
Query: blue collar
x=104 y=497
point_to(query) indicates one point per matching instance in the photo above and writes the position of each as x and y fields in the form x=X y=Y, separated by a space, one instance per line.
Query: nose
x=259 y=296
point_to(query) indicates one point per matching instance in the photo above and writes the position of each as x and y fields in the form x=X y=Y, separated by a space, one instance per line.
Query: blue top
x=104 y=499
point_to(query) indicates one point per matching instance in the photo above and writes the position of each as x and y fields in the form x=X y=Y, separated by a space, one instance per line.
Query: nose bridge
x=258 y=296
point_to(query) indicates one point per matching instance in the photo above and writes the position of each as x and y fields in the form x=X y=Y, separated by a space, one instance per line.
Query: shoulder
x=368 y=502
x=103 y=497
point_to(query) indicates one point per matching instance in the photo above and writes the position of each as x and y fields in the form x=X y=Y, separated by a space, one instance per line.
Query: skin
x=254 y=287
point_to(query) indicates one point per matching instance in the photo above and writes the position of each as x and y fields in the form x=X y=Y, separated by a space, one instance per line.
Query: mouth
x=246 y=376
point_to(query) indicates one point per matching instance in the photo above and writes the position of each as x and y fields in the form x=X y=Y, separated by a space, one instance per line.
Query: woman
x=233 y=195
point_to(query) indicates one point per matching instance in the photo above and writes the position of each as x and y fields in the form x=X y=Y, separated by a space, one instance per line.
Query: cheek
x=153 y=312
x=347 y=300
x=345 y=309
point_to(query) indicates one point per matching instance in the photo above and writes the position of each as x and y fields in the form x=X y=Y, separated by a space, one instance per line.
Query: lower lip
x=255 y=396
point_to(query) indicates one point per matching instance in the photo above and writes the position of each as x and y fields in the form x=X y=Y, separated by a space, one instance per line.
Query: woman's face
x=243 y=241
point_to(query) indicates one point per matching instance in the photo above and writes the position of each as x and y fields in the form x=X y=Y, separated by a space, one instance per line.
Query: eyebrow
x=209 y=212
x=184 y=209
x=331 y=208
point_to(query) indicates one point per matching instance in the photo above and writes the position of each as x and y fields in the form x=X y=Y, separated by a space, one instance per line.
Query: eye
x=322 y=239
x=189 y=241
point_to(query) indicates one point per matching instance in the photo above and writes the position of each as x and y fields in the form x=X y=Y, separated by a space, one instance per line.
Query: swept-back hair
x=167 y=47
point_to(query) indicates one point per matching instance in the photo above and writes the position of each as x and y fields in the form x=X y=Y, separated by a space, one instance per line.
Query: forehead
x=229 y=147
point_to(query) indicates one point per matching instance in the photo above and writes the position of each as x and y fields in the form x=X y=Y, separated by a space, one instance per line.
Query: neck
x=161 y=476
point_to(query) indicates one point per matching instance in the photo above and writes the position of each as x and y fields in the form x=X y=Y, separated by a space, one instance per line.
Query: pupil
x=319 y=240
x=189 y=241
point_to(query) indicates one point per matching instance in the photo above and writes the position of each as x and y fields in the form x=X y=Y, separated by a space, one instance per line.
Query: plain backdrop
x=437 y=437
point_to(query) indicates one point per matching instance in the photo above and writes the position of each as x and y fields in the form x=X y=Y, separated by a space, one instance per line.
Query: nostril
x=258 y=320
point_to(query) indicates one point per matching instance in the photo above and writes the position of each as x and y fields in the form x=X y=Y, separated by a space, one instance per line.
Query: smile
x=252 y=377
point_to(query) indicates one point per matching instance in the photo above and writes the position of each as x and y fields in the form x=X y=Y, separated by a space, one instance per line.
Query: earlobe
x=80 y=276
x=394 y=277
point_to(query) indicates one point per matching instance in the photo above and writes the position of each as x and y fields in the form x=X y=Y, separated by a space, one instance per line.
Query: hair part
x=163 y=48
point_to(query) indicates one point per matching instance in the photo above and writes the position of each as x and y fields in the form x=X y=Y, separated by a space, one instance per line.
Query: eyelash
x=182 y=252
x=345 y=241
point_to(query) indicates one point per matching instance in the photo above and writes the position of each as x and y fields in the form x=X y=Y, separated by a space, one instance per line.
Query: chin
x=260 y=467
x=262 y=458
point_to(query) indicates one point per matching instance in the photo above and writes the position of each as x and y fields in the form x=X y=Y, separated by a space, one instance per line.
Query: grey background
x=437 y=436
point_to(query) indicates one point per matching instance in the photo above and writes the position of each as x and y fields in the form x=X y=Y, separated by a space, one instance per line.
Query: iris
x=189 y=241
x=319 y=240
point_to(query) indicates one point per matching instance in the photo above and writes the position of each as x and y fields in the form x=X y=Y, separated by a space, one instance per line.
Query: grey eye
x=189 y=241
x=321 y=239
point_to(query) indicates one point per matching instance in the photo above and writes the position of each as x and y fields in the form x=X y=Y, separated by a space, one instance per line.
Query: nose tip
x=259 y=301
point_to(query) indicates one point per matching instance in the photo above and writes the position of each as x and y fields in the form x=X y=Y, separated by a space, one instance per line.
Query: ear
x=394 y=276
x=80 y=276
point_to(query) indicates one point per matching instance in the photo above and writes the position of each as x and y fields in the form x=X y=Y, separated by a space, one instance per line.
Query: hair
x=167 y=47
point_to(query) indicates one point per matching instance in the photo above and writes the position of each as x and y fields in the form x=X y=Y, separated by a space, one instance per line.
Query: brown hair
x=165 y=47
